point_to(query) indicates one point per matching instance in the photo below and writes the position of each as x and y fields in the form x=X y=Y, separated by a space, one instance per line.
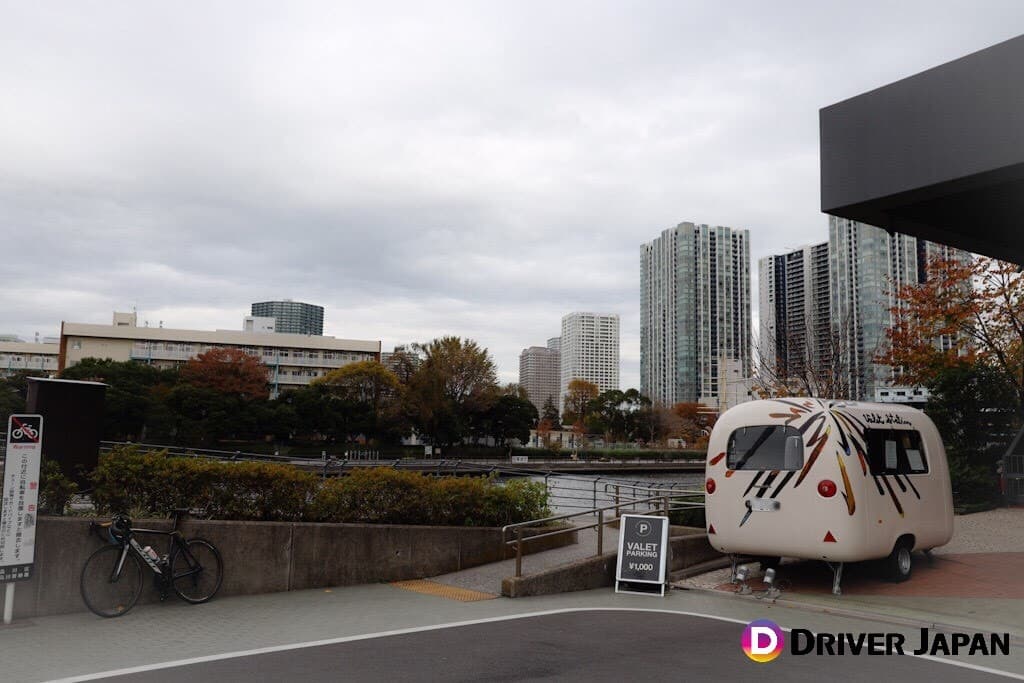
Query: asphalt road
x=567 y=646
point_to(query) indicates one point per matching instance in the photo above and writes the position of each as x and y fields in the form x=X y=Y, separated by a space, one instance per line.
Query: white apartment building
x=292 y=360
x=589 y=351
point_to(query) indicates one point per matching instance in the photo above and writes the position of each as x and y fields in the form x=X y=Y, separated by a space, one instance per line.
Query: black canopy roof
x=939 y=155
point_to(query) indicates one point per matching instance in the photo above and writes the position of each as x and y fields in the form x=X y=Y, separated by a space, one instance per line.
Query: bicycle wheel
x=196 y=570
x=106 y=591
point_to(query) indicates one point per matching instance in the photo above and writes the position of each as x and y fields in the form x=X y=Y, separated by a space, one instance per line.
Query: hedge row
x=151 y=483
x=387 y=496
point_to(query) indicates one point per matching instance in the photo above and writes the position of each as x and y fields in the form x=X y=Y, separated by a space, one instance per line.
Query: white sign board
x=643 y=553
x=520 y=458
x=19 y=497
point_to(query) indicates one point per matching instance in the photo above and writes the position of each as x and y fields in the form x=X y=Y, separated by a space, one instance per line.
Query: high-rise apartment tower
x=694 y=312
x=794 y=341
x=589 y=351
x=539 y=375
x=867 y=267
x=292 y=317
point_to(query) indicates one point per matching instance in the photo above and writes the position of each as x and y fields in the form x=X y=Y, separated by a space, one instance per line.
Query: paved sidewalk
x=964 y=585
x=976 y=581
x=487 y=578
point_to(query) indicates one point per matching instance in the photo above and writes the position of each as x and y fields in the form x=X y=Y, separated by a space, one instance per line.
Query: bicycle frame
x=159 y=567
x=110 y=591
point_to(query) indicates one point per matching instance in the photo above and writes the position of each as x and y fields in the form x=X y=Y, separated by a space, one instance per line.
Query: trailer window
x=895 y=451
x=762 y=447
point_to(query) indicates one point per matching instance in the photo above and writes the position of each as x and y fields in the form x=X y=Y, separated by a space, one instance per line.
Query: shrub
x=690 y=516
x=377 y=496
x=460 y=501
x=519 y=500
x=154 y=482
x=55 y=489
x=975 y=486
x=151 y=483
x=386 y=496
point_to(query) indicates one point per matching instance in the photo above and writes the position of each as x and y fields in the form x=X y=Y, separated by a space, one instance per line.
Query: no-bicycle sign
x=19 y=497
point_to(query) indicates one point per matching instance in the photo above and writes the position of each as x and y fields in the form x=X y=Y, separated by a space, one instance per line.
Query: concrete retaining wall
x=267 y=557
x=596 y=572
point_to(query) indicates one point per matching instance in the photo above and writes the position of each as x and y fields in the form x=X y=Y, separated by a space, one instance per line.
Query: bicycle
x=111 y=579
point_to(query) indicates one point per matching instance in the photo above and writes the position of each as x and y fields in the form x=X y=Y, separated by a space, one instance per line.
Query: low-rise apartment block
x=17 y=356
x=292 y=360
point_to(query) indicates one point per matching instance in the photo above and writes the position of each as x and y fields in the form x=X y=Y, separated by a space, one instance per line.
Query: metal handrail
x=519 y=539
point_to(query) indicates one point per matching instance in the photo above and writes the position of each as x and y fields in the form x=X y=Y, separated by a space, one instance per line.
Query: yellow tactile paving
x=443 y=591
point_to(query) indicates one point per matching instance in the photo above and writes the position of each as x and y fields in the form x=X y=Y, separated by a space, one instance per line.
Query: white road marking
x=456 y=624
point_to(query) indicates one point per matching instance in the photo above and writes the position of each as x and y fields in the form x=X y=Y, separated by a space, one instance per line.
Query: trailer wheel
x=899 y=565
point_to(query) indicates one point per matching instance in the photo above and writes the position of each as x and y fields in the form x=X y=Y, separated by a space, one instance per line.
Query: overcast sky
x=422 y=169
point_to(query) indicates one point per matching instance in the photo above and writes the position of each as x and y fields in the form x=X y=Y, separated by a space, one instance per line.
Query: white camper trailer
x=838 y=481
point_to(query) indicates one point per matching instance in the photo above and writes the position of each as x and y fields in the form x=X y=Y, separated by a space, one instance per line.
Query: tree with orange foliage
x=544 y=429
x=578 y=398
x=964 y=313
x=694 y=421
x=227 y=371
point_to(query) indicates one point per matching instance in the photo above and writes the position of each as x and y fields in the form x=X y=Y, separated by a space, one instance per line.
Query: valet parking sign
x=643 y=555
x=19 y=497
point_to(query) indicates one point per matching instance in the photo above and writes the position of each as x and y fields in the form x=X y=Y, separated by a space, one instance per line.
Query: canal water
x=570 y=493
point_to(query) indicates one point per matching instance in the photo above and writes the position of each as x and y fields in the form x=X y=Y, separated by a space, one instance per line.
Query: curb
x=851 y=613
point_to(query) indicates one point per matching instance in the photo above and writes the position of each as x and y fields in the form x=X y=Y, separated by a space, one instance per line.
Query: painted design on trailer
x=818 y=418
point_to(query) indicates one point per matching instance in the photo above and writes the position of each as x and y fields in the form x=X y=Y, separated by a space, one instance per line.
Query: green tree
x=510 y=417
x=404 y=361
x=306 y=412
x=133 y=395
x=615 y=414
x=974 y=407
x=454 y=384
x=283 y=419
x=550 y=413
x=655 y=423
x=517 y=390
x=367 y=390
x=201 y=415
x=13 y=394
x=632 y=407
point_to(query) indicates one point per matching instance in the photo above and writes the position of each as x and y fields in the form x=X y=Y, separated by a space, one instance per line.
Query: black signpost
x=643 y=555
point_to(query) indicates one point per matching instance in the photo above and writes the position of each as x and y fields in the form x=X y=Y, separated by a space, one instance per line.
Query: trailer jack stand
x=837 y=577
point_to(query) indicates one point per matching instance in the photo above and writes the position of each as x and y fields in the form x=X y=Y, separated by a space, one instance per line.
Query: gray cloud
x=454 y=168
